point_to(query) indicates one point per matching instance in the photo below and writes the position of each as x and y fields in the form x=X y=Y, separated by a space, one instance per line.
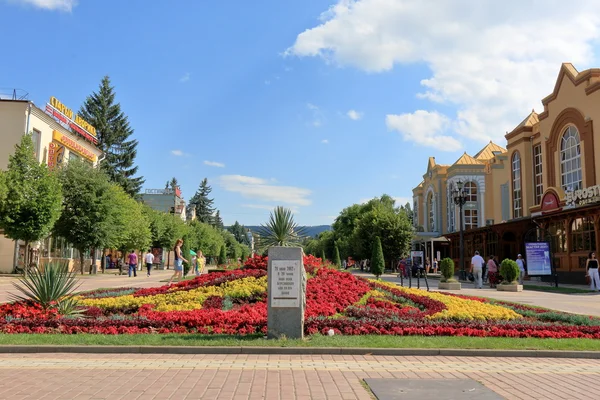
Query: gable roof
x=466 y=159
x=487 y=153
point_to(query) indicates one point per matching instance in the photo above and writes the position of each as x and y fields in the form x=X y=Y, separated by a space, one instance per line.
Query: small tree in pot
x=447 y=282
x=510 y=272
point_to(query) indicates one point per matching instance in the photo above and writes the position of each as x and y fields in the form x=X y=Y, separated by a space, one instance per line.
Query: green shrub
x=223 y=256
x=48 y=286
x=509 y=270
x=323 y=258
x=447 y=269
x=336 y=257
x=377 y=260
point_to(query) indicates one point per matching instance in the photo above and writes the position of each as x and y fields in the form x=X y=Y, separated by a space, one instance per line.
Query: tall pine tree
x=218 y=221
x=204 y=205
x=114 y=131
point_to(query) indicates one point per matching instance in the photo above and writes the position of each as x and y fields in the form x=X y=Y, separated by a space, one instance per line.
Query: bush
x=447 y=269
x=509 y=270
x=323 y=258
x=223 y=256
x=377 y=260
x=336 y=257
x=53 y=284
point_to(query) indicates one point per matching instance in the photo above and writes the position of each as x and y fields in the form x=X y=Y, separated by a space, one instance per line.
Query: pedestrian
x=107 y=260
x=179 y=259
x=149 y=261
x=200 y=263
x=345 y=264
x=492 y=271
x=435 y=266
x=133 y=260
x=195 y=261
x=591 y=270
x=427 y=265
x=521 y=264
x=477 y=263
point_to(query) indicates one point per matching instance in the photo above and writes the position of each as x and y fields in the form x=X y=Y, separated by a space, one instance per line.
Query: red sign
x=550 y=202
x=69 y=124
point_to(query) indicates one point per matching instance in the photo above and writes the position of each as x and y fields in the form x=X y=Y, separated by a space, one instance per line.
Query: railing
x=13 y=94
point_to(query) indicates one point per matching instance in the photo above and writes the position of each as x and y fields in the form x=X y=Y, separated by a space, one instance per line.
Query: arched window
x=583 y=234
x=471 y=207
x=570 y=159
x=516 y=186
x=431 y=212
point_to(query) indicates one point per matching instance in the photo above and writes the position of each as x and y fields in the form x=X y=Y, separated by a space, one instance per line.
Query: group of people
x=490 y=271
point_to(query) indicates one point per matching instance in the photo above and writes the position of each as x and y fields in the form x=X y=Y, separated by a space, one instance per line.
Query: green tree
x=323 y=258
x=185 y=251
x=174 y=184
x=203 y=204
x=137 y=234
x=377 y=260
x=239 y=232
x=30 y=197
x=218 y=221
x=281 y=230
x=114 y=132
x=336 y=256
x=223 y=255
x=92 y=216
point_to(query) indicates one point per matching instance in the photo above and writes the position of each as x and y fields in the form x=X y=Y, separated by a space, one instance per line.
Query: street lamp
x=460 y=199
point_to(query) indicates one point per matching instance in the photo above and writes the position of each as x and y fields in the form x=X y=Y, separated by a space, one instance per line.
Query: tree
x=336 y=256
x=205 y=238
x=281 y=230
x=377 y=260
x=114 y=132
x=92 y=212
x=185 y=252
x=239 y=232
x=223 y=255
x=204 y=205
x=218 y=221
x=30 y=197
x=174 y=184
x=323 y=258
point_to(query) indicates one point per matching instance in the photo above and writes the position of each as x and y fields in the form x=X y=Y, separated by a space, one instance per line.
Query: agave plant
x=281 y=230
x=50 y=287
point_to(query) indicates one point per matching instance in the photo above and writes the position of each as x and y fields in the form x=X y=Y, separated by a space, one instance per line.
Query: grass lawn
x=552 y=289
x=414 y=342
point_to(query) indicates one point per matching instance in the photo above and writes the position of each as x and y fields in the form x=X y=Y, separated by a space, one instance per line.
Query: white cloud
x=214 y=164
x=317 y=115
x=185 y=77
x=354 y=115
x=325 y=141
x=177 y=153
x=262 y=189
x=59 y=5
x=424 y=128
x=492 y=61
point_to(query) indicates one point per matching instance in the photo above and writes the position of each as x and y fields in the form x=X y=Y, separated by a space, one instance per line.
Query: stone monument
x=287 y=293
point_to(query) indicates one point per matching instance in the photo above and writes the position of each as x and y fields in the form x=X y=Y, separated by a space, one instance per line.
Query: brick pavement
x=141 y=377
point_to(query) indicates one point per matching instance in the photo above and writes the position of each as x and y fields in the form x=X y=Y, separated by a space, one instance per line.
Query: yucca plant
x=281 y=230
x=49 y=287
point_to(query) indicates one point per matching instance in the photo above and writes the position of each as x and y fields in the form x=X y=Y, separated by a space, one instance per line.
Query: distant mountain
x=310 y=230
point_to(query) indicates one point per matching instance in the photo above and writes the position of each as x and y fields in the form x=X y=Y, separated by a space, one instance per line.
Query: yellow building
x=58 y=136
x=542 y=185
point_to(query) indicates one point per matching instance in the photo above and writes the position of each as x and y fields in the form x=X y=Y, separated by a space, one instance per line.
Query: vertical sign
x=537 y=257
x=285 y=283
x=438 y=255
x=417 y=258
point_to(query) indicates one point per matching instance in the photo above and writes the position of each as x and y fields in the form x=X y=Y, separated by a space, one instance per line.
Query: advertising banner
x=417 y=258
x=537 y=258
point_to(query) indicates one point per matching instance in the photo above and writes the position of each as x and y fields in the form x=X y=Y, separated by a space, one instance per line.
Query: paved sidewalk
x=141 y=377
x=583 y=303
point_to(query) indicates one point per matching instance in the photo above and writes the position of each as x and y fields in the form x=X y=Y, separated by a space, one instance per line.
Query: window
x=73 y=156
x=516 y=180
x=431 y=212
x=583 y=235
x=471 y=219
x=470 y=190
x=558 y=237
x=491 y=244
x=415 y=213
x=470 y=209
x=35 y=138
x=570 y=160
x=537 y=173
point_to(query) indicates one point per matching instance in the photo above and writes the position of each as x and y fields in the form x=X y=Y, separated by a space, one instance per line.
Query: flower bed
x=234 y=302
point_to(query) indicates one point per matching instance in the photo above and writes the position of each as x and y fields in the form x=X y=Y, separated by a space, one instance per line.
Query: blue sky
x=310 y=104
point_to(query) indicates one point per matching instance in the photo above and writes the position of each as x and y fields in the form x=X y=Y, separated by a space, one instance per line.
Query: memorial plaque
x=285 y=283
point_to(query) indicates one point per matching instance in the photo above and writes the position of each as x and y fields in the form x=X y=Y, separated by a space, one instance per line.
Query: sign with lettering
x=285 y=283
x=537 y=255
x=56 y=155
x=64 y=116
x=73 y=146
x=164 y=191
x=581 y=197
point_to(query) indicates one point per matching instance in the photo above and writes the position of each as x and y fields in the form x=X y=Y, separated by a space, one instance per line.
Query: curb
x=32 y=349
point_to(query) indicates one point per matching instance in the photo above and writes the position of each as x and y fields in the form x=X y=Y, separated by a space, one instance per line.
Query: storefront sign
x=285 y=283
x=550 y=202
x=74 y=146
x=537 y=257
x=164 y=191
x=64 y=116
x=56 y=154
x=584 y=196
x=417 y=258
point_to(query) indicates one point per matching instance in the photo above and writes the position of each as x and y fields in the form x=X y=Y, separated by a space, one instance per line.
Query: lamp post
x=460 y=199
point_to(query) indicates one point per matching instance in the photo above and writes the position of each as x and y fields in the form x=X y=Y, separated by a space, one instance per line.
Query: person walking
x=200 y=263
x=492 y=272
x=149 y=259
x=591 y=270
x=133 y=260
x=179 y=259
x=521 y=264
x=477 y=269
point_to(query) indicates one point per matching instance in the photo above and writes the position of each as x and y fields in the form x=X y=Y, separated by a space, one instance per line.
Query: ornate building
x=543 y=182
